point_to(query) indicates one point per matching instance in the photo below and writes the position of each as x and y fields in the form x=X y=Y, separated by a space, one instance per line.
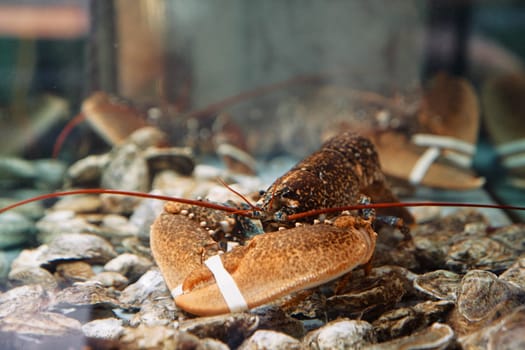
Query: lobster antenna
x=246 y=200
x=123 y=193
x=400 y=205
x=57 y=147
x=246 y=212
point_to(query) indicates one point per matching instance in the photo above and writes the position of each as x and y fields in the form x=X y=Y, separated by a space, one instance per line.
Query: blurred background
x=252 y=70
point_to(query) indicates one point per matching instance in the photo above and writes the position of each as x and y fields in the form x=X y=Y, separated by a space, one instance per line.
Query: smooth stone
x=115 y=226
x=213 y=344
x=117 y=204
x=32 y=275
x=169 y=183
x=106 y=329
x=126 y=170
x=61 y=222
x=79 y=204
x=148 y=136
x=130 y=265
x=205 y=171
x=13 y=169
x=4 y=266
x=29 y=258
x=341 y=334
x=151 y=283
x=87 y=170
x=173 y=158
x=267 y=339
x=111 y=279
x=156 y=312
x=33 y=211
x=73 y=271
x=15 y=229
x=78 y=246
x=50 y=173
x=145 y=214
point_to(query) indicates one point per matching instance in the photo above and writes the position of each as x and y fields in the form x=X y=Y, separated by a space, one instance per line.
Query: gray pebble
x=151 y=283
x=49 y=173
x=341 y=334
x=267 y=339
x=32 y=275
x=87 y=171
x=111 y=279
x=78 y=246
x=14 y=171
x=130 y=265
x=33 y=211
x=15 y=229
x=105 y=329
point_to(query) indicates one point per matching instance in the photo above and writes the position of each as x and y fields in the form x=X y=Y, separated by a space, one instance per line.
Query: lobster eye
x=289 y=194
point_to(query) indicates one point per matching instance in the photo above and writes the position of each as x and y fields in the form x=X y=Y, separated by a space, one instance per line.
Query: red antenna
x=401 y=205
x=122 y=193
x=248 y=213
x=57 y=147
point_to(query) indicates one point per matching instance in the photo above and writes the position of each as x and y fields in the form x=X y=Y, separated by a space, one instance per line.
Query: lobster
x=295 y=252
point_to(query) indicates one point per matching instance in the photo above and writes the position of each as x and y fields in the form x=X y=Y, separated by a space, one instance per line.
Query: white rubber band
x=227 y=285
x=459 y=159
x=515 y=161
x=439 y=141
x=455 y=150
x=175 y=292
x=422 y=165
x=511 y=147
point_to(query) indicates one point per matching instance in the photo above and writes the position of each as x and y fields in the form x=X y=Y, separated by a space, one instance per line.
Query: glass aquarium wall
x=215 y=103
x=250 y=60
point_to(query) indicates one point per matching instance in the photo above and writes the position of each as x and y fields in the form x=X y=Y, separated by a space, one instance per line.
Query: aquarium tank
x=266 y=123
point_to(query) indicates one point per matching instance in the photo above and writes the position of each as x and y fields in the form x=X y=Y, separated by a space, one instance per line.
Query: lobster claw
x=179 y=245
x=270 y=266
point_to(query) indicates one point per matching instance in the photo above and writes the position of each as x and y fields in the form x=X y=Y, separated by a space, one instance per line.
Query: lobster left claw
x=270 y=266
x=179 y=245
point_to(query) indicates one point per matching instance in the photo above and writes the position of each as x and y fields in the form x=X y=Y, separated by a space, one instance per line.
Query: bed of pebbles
x=81 y=275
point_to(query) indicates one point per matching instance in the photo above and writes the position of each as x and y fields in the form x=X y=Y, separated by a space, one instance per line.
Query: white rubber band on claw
x=175 y=292
x=511 y=147
x=455 y=150
x=459 y=159
x=428 y=140
x=514 y=161
x=422 y=165
x=227 y=285
x=512 y=153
